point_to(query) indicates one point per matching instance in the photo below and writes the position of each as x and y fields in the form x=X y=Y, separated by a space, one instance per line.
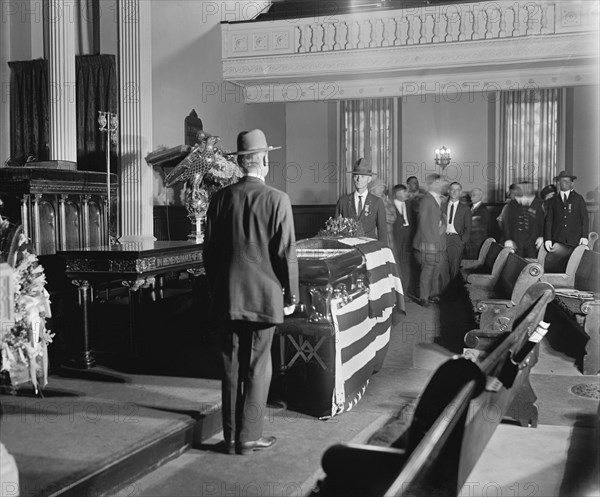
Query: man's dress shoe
x=434 y=300
x=423 y=303
x=229 y=447
x=245 y=448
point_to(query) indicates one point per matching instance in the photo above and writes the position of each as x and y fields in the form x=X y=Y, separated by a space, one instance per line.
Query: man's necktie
x=451 y=213
x=359 y=204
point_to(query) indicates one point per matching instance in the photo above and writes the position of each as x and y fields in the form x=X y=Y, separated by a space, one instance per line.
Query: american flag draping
x=328 y=365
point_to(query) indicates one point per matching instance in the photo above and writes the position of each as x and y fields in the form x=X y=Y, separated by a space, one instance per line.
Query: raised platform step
x=103 y=429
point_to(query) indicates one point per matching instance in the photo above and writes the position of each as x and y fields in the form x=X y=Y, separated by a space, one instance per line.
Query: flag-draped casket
x=349 y=293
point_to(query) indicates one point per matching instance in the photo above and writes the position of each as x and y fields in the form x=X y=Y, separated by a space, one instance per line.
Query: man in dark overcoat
x=252 y=271
x=567 y=217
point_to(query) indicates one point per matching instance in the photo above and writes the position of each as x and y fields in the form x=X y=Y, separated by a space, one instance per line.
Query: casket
x=338 y=338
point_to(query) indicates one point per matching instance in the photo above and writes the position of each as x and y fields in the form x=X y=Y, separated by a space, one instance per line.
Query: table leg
x=83 y=358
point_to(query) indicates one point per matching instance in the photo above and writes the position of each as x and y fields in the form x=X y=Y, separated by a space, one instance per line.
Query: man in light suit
x=430 y=240
x=363 y=206
x=458 y=228
x=251 y=266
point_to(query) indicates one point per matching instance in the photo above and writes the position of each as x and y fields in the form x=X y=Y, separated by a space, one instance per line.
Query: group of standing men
x=431 y=231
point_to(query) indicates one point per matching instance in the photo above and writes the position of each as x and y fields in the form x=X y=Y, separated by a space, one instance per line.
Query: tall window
x=367 y=130
x=529 y=136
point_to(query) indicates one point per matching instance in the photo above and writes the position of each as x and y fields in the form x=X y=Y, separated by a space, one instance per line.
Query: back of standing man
x=430 y=240
x=251 y=266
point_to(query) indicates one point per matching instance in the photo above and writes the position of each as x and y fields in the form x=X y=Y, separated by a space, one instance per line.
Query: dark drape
x=96 y=78
x=29 y=128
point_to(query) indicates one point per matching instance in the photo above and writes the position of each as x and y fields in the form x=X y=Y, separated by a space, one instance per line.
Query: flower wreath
x=341 y=227
x=24 y=339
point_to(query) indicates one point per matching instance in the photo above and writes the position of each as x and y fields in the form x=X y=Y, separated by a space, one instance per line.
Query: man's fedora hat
x=251 y=142
x=564 y=174
x=361 y=166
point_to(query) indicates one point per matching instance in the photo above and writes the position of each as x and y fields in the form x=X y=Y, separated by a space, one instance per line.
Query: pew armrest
x=559 y=280
x=481 y=280
x=470 y=263
x=494 y=305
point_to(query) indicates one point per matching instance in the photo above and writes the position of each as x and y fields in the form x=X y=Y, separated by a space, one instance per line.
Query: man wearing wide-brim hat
x=567 y=217
x=251 y=267
x=363 y=206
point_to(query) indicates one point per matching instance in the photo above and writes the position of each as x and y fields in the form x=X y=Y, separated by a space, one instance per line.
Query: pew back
x=510 y=274
x=491 y=256
x=586 y=276
x=557 y=259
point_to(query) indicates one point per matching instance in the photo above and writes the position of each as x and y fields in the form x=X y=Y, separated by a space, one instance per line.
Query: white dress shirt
x=450 y=226
x=401 y=206
x=256 y=175
x=565 y=195
x=364 y=199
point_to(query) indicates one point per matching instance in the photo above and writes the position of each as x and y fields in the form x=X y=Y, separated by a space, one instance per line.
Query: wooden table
x=136 y=265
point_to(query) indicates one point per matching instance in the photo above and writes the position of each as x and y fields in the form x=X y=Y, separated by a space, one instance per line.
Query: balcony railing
x=389 y=42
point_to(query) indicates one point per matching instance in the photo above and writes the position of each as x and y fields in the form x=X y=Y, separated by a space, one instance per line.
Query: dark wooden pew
x=494 y=299
x=479 y=342
x=560 y=264
x=579 y=307
x=450 y=428
x=484 y=264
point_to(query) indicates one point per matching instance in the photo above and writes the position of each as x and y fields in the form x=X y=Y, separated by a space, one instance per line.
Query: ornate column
x=61 y=69
x=135 y=101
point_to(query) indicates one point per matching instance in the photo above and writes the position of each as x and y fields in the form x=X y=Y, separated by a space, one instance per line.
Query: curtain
x=96 y=85
x=29 y=126
x=367 y=131
x=528 y=140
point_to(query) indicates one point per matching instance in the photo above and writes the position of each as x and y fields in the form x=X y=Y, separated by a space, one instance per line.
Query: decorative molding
x=414 y=58
x=499 y=44
x=451 y=86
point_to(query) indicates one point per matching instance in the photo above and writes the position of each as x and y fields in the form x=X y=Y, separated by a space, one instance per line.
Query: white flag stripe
x=359 y=330
x=351 y=306
x=359 y=360
x=383 y=286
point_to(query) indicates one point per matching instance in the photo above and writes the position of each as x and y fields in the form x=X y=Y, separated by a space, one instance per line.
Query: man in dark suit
x=251 y=266
x=567 y=217
x=404 y=228
x=363 y=206
x=458 y=228
x=430 y=240
x=480 y=224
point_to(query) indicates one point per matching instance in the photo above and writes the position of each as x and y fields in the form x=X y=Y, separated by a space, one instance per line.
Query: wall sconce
x=442 y=157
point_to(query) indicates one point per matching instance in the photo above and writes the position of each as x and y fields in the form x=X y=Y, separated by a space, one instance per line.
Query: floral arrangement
x=205 y=170
x=24 y=340
x=341 y=227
